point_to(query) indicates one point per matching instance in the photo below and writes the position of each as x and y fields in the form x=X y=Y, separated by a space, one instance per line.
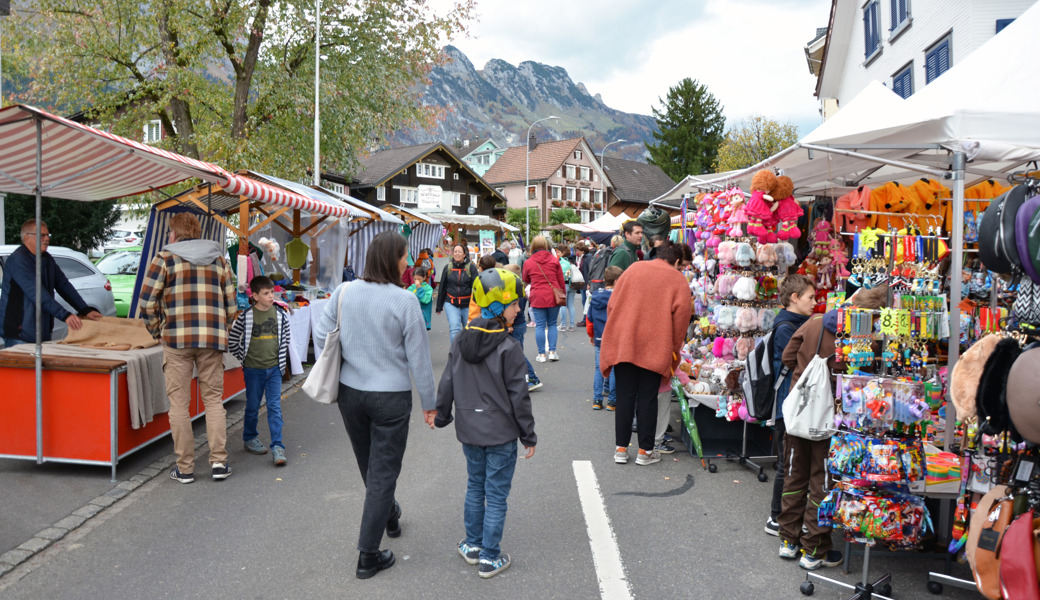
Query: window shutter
x=930 y=66
x=895 y=15
x=897 y=85
x=944 y=57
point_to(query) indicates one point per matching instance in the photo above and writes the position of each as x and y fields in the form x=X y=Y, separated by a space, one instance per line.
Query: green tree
x=232 y=81
x=73 y=224
x=559 y=216
x=518 y=217
x=690 y=127
x=753 y=140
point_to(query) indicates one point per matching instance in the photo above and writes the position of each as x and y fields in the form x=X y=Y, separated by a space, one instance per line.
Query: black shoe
x=370 y=563
x=393 y=524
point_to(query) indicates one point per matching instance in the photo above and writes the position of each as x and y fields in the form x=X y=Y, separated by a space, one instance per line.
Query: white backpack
x=809 y=408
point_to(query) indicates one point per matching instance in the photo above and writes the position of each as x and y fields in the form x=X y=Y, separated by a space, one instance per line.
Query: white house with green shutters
x=904 y=44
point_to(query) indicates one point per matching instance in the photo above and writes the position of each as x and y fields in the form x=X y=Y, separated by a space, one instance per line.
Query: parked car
x=120 y=238
x=120 y=266
x=91 y=284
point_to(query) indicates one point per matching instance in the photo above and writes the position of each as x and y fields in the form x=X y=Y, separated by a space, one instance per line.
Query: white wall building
x=904 y=44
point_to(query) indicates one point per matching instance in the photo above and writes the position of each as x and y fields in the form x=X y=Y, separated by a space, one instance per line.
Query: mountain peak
x=501 y=101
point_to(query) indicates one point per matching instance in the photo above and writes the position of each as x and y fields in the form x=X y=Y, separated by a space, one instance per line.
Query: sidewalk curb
x=96 y=506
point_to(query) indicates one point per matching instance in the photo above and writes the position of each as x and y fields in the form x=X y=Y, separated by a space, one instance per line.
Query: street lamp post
x=602 y=164
x=527 y=180
x=317 y=69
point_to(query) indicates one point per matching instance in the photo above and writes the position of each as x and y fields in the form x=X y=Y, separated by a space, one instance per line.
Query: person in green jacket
x=625 y=254
x=423 y=290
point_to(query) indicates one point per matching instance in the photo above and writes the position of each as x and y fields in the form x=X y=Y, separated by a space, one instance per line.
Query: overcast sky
x=750 y=53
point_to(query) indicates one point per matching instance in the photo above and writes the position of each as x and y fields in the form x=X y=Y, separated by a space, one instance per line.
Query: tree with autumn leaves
x=232 y=81
x=753 y=140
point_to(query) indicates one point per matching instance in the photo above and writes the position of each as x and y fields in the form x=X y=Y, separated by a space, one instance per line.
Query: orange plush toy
x=926 y=199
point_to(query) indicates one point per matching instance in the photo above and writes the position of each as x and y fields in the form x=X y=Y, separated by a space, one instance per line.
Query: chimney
x=465 y=143
x=532 y=142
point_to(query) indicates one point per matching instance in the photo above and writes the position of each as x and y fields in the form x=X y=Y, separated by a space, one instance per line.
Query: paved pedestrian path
x=669 y=530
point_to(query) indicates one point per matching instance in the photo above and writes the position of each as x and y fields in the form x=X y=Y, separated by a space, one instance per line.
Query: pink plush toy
x=717 y=349
x=733 y=409
x=761 y=207
x=727 y=349
x=744 y=347
x=788 y=209
x=726 y=253
x=747 y=319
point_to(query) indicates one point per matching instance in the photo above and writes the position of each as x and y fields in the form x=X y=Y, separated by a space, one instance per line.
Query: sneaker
x=531 y=324
x=554 y=356
x=534 y=385
x=255 y=446
x=788 y=550
x=179 y=477
x=621 y=455
x=539 y=358
x=648 y=458
x=611 y=407
x=664 y=449
x=833 y=558
x=278 y=456
x=469 y=552
x=773 y=528
x=490 y=568
x=667 y=439
x=221 y=471
x=598 y=405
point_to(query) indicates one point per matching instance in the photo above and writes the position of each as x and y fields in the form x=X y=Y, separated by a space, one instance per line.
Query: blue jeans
x=377 y=425
x=457 y=319
x=545 y=319
x=597 y=385
x=519 y=329
x=9 y=342
x=261 y=383
x=568 y=310
x=490 y=471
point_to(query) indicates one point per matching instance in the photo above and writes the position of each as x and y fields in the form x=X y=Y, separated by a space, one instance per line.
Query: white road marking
x=605 y=555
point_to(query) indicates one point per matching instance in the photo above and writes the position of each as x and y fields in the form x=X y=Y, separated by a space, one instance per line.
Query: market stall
x=44 y=154
x=427 y=232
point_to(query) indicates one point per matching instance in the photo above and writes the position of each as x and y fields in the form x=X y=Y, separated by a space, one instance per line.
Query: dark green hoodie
x=485 y=382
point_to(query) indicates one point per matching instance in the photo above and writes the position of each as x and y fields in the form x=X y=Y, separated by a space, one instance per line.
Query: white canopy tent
x=979 y=120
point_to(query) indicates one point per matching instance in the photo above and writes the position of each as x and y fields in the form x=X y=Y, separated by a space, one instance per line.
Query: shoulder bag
x=558 y=293
x=809 y=408
x=322 y=383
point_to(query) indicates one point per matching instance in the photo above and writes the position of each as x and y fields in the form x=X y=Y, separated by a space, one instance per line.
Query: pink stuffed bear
x=788 y=210
x=761 y=206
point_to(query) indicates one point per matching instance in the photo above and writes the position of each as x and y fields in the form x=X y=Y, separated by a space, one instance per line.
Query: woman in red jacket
x=543 y=272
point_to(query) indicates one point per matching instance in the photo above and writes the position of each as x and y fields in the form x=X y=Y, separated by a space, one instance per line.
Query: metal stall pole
x=39 y=301
x=959 y=160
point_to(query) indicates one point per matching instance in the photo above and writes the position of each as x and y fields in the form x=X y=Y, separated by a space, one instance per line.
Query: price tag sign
x=889 y=322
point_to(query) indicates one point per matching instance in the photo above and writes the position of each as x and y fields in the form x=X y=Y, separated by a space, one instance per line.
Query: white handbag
x=809 y=408
x=322 y=383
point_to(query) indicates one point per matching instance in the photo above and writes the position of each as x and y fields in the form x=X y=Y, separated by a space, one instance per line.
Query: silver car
x=91 y=284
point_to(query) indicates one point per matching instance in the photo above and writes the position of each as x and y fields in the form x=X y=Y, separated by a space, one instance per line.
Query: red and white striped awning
x=83 y=163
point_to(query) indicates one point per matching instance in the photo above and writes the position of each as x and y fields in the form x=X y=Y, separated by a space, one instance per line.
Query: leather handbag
x=559 y=294
x=1018 y=578
x=988 y=527
x=322 y=383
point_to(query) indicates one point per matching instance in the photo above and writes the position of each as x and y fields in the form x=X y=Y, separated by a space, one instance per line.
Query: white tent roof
x=987 y=105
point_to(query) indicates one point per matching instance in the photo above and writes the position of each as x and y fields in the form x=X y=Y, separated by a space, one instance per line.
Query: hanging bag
x=809 y=408
x=322 y=384
x=558 y=293
x=1018 y=578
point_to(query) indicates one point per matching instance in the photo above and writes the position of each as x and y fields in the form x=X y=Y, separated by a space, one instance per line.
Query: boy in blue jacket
x=259 y=338
x=798 y=298
x=484 y=380
x=595 y=324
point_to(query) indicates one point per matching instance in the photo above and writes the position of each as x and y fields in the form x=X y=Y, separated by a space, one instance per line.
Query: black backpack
x=759 y=381
x=597 y=265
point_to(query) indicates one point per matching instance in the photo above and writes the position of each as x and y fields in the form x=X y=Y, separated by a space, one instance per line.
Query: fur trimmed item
x=967 y=373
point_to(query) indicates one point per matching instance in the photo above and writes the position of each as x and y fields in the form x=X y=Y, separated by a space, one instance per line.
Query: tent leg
x=39 y=300
x=956 y=268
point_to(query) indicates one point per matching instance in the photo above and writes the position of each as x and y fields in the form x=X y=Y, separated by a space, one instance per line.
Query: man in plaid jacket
x=188 y=301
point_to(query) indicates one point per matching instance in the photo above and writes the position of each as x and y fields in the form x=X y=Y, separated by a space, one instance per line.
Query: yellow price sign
x=889 y=321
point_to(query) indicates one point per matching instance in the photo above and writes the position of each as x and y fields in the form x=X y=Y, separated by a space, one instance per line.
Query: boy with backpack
x=484 y=381
x=798 y=298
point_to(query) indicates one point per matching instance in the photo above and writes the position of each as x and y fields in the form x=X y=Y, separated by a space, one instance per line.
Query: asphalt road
x=680 y=531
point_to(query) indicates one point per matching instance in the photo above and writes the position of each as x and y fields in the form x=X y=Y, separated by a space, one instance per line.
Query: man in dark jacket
x=626 y=254
x=484 y=380
x=18 y=291
x=501 y=255
x=798 y=297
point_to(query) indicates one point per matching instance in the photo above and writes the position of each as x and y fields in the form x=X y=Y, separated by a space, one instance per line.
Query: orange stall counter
x=85 y=415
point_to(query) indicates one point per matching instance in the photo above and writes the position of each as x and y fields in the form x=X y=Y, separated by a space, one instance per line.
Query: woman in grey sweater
x=384 y=346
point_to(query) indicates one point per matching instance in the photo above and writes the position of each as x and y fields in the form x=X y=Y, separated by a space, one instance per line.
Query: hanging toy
x=788 y=210
x=760 y=208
